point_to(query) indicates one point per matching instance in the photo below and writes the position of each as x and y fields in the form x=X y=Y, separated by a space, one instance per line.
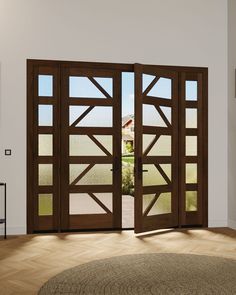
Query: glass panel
x=83 y=87
x=161 y=206
x=106 y=199
x=191 y=173
x=45 y=85
x=45 y=145
x=147 y=79
x=167 y=112
x=45 y=174
x=99 y=174
x=191 y=90
x=106 y=84
x=191 y=201
x=97 y=117
x=84 y=204
x=45 y=115
x=191 y=145
x=161 y=89
x=191 y=118
x=151 y=116
x=161 y=148
x=82 y=145
x=45 y=205
x=153 y=176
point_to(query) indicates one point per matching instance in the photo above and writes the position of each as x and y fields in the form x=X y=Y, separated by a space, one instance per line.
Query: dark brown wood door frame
x=35 y=67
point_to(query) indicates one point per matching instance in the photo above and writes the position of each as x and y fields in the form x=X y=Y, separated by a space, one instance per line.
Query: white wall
x=168 y=32
x=232 y=112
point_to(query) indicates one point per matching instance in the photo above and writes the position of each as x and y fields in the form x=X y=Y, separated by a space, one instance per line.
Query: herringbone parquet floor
x=26 y=262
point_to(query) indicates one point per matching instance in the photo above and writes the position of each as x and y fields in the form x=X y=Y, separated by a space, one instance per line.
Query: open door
x=156 y=148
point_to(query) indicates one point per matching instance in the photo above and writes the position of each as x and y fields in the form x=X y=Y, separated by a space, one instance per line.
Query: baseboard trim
x=13 y=230
x=232 y=224
x=217 y=223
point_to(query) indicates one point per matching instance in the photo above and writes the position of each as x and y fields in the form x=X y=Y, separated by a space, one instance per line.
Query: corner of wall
x=232 y=224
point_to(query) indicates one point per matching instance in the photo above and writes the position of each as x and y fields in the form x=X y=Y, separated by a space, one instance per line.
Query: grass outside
x=128 y=159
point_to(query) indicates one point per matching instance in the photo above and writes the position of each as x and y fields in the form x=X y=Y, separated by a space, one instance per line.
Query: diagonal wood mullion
x=151 y=145
x=163 y=174
x=151 y=85
x=78 y=178
x=85 y=113
x=149 y=207
x=99 y=145
x=99 y=202
x=99 y=87
x=163 y=116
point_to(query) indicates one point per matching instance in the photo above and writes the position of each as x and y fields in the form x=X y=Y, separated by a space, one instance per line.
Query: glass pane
x=167 y=113
x=45 y=115
x=153 y=177
x=191 y=145
x=147 y=79
x=45 y=85
x=161 y=148
x=98 y=174
x=151 y=116
x=161 y=89
x=85 y=204
x=106 y=84
x=191 y=201
x=191 y=90
x=191 y=173
x=191 y=118
x=161 y=206
x=83 y=87
x=45 y=174
x=45 y=205
x=45 y=145
x=82 y=145
x=97 y=117
x=106 y=199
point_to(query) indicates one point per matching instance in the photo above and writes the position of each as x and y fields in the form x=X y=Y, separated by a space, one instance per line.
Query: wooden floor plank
x=26 y=262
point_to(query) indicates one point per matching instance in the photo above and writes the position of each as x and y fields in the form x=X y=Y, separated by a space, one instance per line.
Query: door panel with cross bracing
x=91 y=149
x=156 y=148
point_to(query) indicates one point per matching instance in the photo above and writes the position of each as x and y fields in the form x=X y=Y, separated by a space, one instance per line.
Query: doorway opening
x=127 y=149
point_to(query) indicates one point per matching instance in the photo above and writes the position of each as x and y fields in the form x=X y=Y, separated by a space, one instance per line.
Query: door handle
x=115 y=165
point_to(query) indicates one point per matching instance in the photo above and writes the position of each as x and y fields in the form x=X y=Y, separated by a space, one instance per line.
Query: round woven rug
x=147 y=274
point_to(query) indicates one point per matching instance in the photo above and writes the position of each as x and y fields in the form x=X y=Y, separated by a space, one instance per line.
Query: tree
x=129 y=147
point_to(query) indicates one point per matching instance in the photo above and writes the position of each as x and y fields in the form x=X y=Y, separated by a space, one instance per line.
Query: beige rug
x=147 y=274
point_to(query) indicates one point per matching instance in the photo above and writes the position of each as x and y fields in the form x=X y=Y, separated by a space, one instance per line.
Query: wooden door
x=156 y=148
x=90 y=148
